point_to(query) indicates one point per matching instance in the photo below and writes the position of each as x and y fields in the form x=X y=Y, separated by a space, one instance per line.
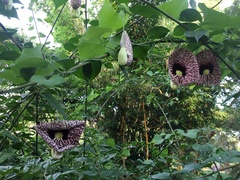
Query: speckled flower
x=183 y=67
x=125 y=55
x=75 y=4
x=61 y=135
x=209 y=69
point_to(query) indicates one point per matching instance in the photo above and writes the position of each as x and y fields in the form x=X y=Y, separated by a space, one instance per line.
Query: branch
x=53 y=26
x=13 y=40
x=216 y=4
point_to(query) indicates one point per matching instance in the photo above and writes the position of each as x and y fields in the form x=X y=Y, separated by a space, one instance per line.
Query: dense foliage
x=137 y=126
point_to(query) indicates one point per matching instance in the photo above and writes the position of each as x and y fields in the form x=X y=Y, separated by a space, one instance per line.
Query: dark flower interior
x=52 y=133
x=205 y=67
x=179 y=68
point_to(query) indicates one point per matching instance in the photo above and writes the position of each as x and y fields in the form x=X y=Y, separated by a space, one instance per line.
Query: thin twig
x=60 y=12
x=216 y=4
x=222 y=169
x=35 y=23
x=164 y=114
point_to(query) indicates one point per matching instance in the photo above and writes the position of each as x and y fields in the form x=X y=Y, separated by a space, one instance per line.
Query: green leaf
x=191 y=167
x=179 y=30
x=192 y=133
x=157 y=139
x=10 y=76
x=111 y=142
x=27 y=72
x=66 y=63
x=90 y=70
x=197 y=34
x=59 y=3
x=92 y=95
x=164 y=175
x=140 y=51
x=6 y=35
x=96 y=32
x=9 y=55
x=9 y=13
x=190 y=15
x=157 y=32
x=217 y=21
x=174 y=7
x=109 y=18
x=125 y=152
x=52 y=81
x=54 y=103
x=107 y=157
x=92 y=48
x=146 y=11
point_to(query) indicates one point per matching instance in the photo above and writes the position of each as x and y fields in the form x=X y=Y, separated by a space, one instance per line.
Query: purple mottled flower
x=61 y=135
x=125 y=55
x=209 y=69
x=183 y=67
x=75 y=4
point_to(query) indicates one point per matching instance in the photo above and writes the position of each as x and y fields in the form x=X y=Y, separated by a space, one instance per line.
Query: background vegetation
x=137 y=126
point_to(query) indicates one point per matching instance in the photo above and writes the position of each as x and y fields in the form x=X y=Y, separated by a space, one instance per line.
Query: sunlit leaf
x=59 y=3
x=52 y=81
x=109 y=18
x=92 y=48
x=174 y=7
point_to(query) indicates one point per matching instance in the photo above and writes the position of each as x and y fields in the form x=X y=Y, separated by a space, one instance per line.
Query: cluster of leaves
x=138 y=127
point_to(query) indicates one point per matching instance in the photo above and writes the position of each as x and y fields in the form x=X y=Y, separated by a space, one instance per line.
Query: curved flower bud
x=209 y=69
x=75 y=4
x=183 y=67
x=126 y=47
x=61 y=135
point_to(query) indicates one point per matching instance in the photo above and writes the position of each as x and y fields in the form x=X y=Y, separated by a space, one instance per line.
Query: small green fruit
x=75 y=13
x=56 y=155
x=122 y=56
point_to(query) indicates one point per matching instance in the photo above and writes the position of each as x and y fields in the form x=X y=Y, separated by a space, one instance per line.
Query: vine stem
x=169 y=124
x=146 y=129
x=37 y=121
x=53 y=26
x=201 y=40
